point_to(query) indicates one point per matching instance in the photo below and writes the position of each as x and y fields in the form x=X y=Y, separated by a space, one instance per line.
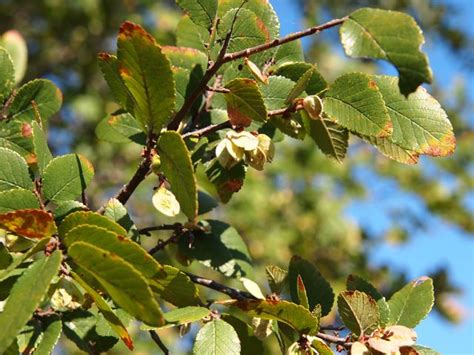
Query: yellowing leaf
x=165 y=202
x=29 y=223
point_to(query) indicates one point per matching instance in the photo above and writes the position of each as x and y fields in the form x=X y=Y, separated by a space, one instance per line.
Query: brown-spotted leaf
x=29 y=223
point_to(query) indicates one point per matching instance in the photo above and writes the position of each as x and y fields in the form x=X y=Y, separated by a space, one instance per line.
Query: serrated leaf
x=216 y=338
x=109 y=66
x=275 y=93
x=249 y=343
x=357 y=283
x=185 y=315
x=301 y=292
x=358 y=311
x=244 y=102
x=318 y=289
x=190 y=35
x=290 y=52
x=25 y=297
x=17 y=136
x=294 y=71
x=420 y=125
x=176 y=287
x=354 y=101
x=118 y=213
x=330 y=137
x=201 y=12
x=17 y=199
x=392 y=150
x=29 y=223
x=41 y=95
x=124 y=284
x=120 y=128
x=15 y=44
x=13 y=171
x=43 y=154
x=66 y=177
x=65 y=208
x=49 y=338
x=410 y=305
x=7 y=74
x=277 y=278
x=147 y=74
x=79 y=218
x=296 y=316
x=300 y=85
x=221 y=249
x=177 y=167
x=392 y=36
x=109 y=315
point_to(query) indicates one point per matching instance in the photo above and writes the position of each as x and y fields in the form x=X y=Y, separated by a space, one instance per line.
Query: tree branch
x=156 y=338
x=335 y=340
x=140 y=174
x=208 y=130
x=278 y=42
x=173 y=227
x=229 y=291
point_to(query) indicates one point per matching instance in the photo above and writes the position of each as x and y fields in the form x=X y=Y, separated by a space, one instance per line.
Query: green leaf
x=388 y=35
x=109 y=315
x=47 y=100
x=185 y=315
x=109 y=66
x=356 y=283
x=358 y=311
x=43 y=154
x=176 y=288
x=221 y=249
x=65 y=208
x=317 y=288
x=248 y=31
x=276 y=92
x=330 y=137
x=392 y=150
x=177 y=167
x=15 y=44
x=118 y=213
x=66 y=177
x=50 y=338
x=290 y=52
x=17 y=199
x=300 y=85
x=7 y=74
x=296 y=316
x=244 y=102
x=13 y=171
x=17 y=261
x=355 y=102
x=217 y=338
x=249 y=343
x=5 y=257
x=147 y=74
x=120 y=246
x=277 y=278
x=294 y=71
x=25 y=297
x=90 y=218
x=410 y=305
x=186 y=58
x=206 y=203
x=29 y=223
x=124 y=284
x=201 y=12
x=190 y=35
x=120 y=128
x=420 y=125
x=226 y=181
x=17 y=136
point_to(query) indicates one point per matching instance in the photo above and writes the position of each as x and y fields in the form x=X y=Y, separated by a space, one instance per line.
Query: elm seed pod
x=313 y=105
x=256 y=72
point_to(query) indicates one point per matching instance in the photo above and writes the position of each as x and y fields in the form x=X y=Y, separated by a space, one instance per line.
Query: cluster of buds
x=255 y=150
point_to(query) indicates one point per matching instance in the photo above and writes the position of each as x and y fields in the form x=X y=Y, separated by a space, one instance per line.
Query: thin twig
x=232 y=292
x=335 y=340
x=218 y=89
x=278 y=42
x=147 y=230
x=157 y=340
x=208 y=130
x=140 y=174
x=332 y=328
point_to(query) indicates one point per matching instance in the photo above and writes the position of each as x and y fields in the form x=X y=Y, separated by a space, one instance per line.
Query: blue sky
x=446 y=245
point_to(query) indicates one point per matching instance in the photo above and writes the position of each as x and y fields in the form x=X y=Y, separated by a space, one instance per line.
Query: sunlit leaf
x=89 y=218
x=50 y=337
x=13 y=171
x=201 y=12
x=15 y=44
x=358 y=311
x=7 y=74
x=29 y=223
x=43 y=154
x=17 y=199
x=216 y=338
